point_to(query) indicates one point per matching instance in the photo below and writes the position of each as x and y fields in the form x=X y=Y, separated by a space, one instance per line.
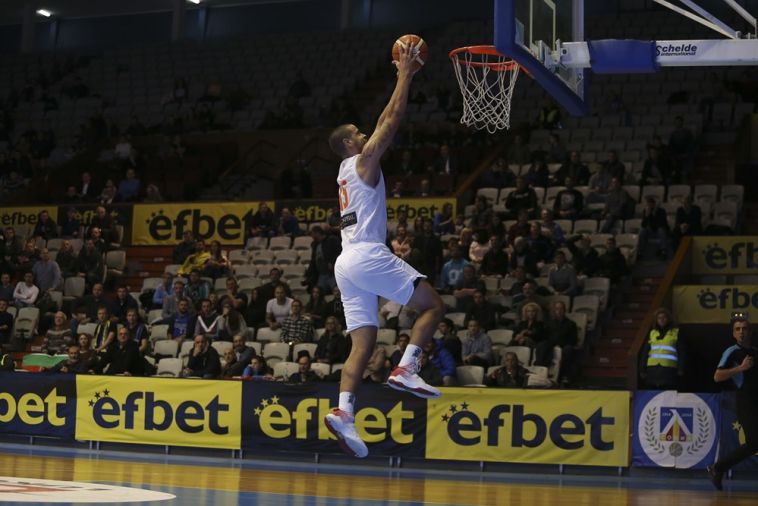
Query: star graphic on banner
x=91 y=402
x=453 y=408
x=275 y=400
x=264 y=402
x=445 y=418
x=257 y=411
x=464 y=406
x=106 y=392
x=97 y=395
x=736 y=425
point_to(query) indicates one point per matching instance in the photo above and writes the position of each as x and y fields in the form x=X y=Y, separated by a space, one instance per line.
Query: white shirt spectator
x=123 y=149
x=25 y=294
x=280 y=311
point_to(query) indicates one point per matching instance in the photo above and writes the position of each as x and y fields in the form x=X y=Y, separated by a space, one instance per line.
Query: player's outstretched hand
x=406 y=63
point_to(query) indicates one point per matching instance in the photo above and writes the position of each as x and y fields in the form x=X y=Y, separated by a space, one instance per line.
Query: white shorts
x=365 y=271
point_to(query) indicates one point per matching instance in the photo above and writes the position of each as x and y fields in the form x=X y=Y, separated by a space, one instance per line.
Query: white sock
x=410 y=358
x=347 y=402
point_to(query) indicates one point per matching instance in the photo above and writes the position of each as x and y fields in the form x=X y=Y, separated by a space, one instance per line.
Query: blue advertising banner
x=37 y=404
x=732 y=435
x=674 y=429
x=278 y=417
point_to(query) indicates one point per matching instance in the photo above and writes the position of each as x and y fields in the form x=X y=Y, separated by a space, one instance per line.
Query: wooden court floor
x=234 y=483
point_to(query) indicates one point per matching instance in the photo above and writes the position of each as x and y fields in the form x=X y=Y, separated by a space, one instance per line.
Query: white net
x=487 y=82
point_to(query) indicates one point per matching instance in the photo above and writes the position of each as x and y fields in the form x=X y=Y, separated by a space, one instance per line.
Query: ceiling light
x=196 y=2
x=44 y=12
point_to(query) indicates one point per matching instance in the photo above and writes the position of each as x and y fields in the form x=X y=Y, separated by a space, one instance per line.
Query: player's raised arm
x=389 y=121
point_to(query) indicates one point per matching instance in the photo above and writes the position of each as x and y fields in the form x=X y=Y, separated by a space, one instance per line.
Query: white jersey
x=363 y=209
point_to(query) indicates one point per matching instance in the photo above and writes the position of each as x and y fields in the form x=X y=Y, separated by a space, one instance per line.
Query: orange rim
x=499 y=66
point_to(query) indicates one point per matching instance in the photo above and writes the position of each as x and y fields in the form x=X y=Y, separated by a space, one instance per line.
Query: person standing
x=737 y=364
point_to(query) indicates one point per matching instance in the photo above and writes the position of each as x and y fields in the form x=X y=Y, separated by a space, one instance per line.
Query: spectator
x=656 y=170
x=584 y=257
x=207 y=320
x=442 y=360
x=123 y=303
x=47 y=273
x=335 y=307
x=288 y=224
x=529 y=295
x=74 y=364
x=66 y=259
x=278 y=308
x=562 y=276
x=129 y=188
x=304 y=372
x=520 y=228
x=196 y=260
x=257 y=370
x=401 y=342
x=495 y=261
x=162 y=291
x=71 y=227
x=550 y=229
x=152 y=194
x=478 y=249
x=689 y=220
x=242 y=354
x=123 y=358
x=428 y=370
x=538 y=174
x=105 y=330
x=333 y=346
x=28 y=256
x=563 y=333
x=87 y=190
x=203 y=361
x=108 y=193
x=556 y=152
x=452 y=271
x=26 y=292
x=6 y=323
x=234 y=295
x=619 y=205
x=662 y=363
x=525 y=256
x=229 y=361
x=613 y=167
x=325 y=249
x=256 y=309
x=401 y=244
x=86 y=353
x=569 y=202
x=522 y=198
x=530 y=331
x=499 y=175
x=171 y=302
x=511 y=375
x=429 y=249
x=180 y=322
x=90 y=263
x=445 y=163
x=549 y=117
x=654 y=226
x=88 y=305
x=574 y=168
x=450 y=340
x=443 y=220
x=376 y=369
x=477 y=346
x=197 y=289
x=296 y=328
x=105 y=223
x=481 y=310
x=467 y=284
x=612 y=263
x=482 y=214
x=406 y=166
x=217 y=265
x=275 y=279
x=185 y=248
x=231 y=323
x=58 y=337
x=137 y=330
x=96 y=235
x=263 y=223
x=45 y=228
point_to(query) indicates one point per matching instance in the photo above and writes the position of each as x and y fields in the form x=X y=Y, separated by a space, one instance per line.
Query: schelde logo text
x=675 y=50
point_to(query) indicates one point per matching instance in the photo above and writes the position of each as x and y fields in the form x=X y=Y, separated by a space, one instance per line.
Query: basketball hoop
x=487 y=79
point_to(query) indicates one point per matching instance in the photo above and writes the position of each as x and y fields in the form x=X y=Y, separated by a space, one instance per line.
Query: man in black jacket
x=654 y=225
x=204 y=360
x=244 y=354
x=325 y=249
x=123 y=358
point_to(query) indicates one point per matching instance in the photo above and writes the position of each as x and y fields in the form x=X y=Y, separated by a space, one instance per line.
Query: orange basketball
x=419 y=48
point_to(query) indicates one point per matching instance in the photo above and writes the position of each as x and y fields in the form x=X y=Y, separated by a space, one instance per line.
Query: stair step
x=610 y=357
x=601 y=372
x=627 y=315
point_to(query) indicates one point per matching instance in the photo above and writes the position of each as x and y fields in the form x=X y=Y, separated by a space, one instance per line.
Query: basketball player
x=367 y=268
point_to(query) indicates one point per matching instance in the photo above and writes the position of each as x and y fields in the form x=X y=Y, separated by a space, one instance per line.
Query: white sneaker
x=405 y=380
x=342 y=426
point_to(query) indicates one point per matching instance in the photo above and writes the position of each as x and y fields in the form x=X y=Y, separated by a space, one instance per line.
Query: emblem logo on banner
x=675 y=430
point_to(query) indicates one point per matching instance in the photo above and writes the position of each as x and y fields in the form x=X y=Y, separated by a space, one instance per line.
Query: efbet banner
x=732 y=433
x=530 y=426
x=37 y=405
x=712 y=303
x=724 y=255
x=675 y=430
x=417 y=208
x=24 y=216
x=165 y=224
x=279 y=417
x=159 y=411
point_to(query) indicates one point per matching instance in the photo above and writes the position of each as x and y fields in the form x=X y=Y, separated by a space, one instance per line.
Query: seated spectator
x=466 y=286
x=90 y=263
x=333 y=345
x=304 y=372
x=296 y=328
x=689 y=220
x=539 y=246
x=185 y=248
x=129 y=187
x=231 y=323
x=402 y=244
x=662 y=356
x=217 y=265
x=499 y=175
x=108 y=193
x=482 y=214
x=656 y=169
x=481 y=310
x=325 y=249
x=96 y=235
x=654 y=226
x=445 y=162
x=452 y=271
x=450 y=340
x=464 y=241
x=569 y=202
x=74 y=364
x=523 y=256
x=477 y=346
x=520 y=228
x=58 y=337
x=242 y=355
x=600 y=186
x=137 y=330
x=180 y=323
x=171 y=302
x=207 y=320
x=197 y=289
x=574 y=168
x=123 y=358
x=6 y=287
x=562 y=276
x=13 y=246
x=203 y=361
x=229 y=361
x=233 y=294
x=71 y=227
x=152 y=194
x=556 y=152
x=27 y=257
x=443 y=221
x=563 y=333
x=105 y=223
x=47 y=273
x=529 y=295
x=26 y=292
x=612 y=263
x=85 y=309
x=86 y=353
x=162 y=291
x=511 y=375
x=530 y=331
x=401 y=341
x=263 y=223
x=105 y=331
x=335 y=307
x=196 y=260
x=613 y=167
x=86 y=189
x=123 y=303
x=428 y=371
x=46 y=227
x=257 y=370
x=278 y=308
x=619 y=205
x=584 y=256
x=66 y=260
x=256 y=310
x=288 y=224
x=523 y=198
x=6 y=323
x=443 y=361
x=538 y=174
x=550 y=228
x=495 y=261
x=478 y=249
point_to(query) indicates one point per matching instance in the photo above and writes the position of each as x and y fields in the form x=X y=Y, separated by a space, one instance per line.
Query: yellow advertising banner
x=712 y=303
x=530 y=426
x=724 y=255
x=159 y=411
x=165 y=224
x=417 y=208
x=25 y=216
